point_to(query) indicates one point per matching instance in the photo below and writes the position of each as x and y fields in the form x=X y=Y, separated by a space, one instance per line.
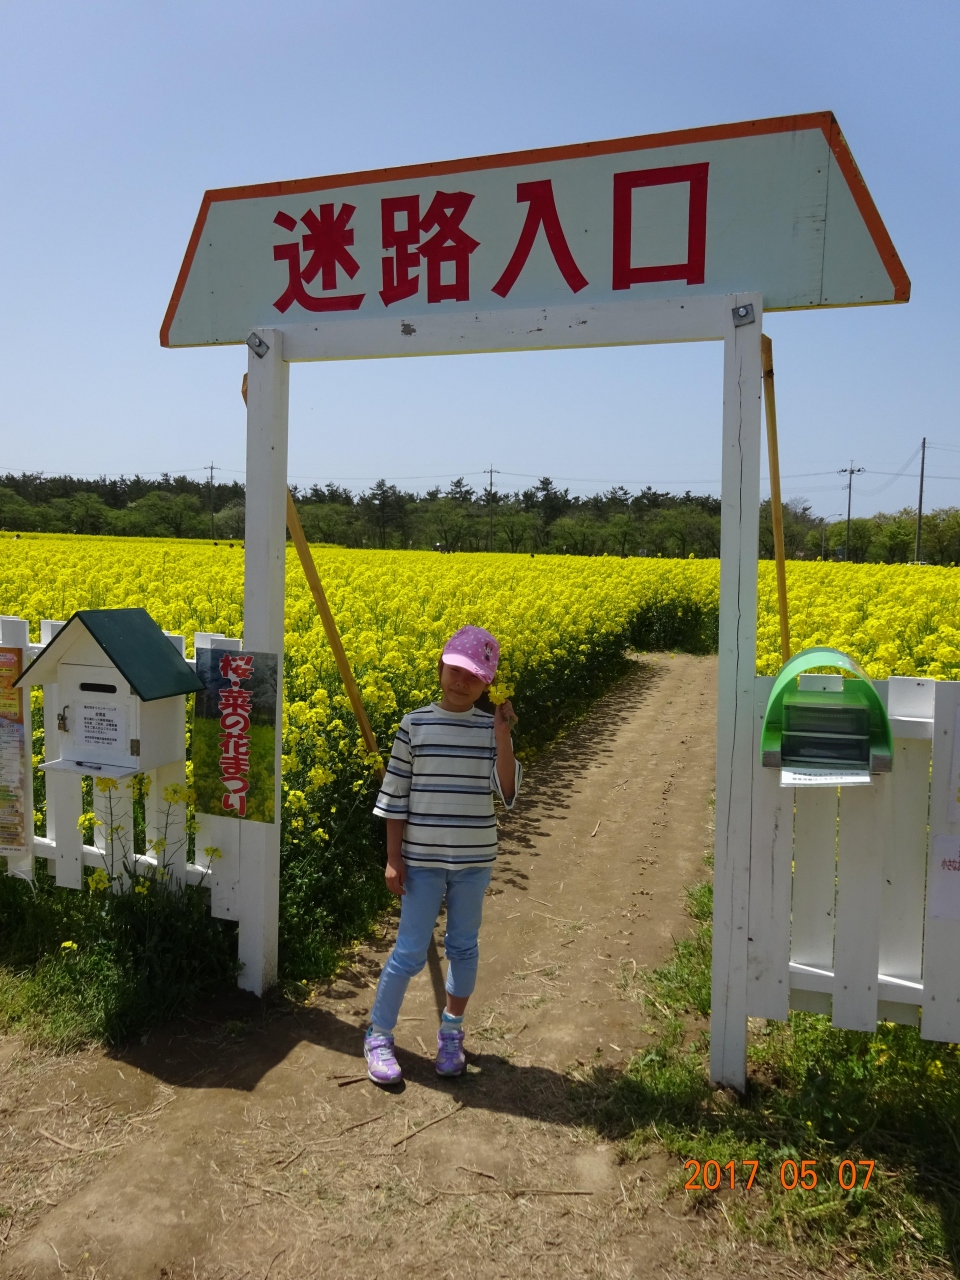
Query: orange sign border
x=826 y=121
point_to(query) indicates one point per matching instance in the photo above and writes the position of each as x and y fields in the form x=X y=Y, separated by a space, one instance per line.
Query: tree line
x=541 y=519
x=171 y=507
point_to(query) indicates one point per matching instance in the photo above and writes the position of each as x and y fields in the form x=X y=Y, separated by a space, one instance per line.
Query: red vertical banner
x=624 y=184
x=235 y=727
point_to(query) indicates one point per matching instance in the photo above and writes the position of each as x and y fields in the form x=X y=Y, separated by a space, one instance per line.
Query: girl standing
x=448 y=761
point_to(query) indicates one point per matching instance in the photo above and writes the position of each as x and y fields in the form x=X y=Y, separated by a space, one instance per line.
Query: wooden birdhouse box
x=120 y=686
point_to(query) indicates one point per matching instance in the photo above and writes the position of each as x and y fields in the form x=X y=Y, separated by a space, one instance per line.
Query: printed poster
x=235 y=734
x=15 y=813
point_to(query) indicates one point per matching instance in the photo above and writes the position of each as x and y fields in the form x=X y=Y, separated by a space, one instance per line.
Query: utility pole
x=849 y=472
x=923 y=459
x=491 y=470
x=213 y=532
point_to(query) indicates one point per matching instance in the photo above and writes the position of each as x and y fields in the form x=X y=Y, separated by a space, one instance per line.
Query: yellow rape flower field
x=563 y=623
x=895 y=619
x=395 y=608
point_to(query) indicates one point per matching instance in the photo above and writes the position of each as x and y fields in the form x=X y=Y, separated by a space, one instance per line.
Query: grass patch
x=78 y=966
x=814 y=1093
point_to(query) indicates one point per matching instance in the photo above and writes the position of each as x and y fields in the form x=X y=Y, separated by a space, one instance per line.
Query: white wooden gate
x=844 y=916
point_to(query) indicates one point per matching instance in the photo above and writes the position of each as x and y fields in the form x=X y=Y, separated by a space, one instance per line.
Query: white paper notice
x=823 y=778
x=102 y=728
x=943 y=890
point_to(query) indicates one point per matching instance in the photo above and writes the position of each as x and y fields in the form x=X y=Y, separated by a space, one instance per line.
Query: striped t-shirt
x=441 y=779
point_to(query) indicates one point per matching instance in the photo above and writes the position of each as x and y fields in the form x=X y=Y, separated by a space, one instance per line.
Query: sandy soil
x=241 y=1143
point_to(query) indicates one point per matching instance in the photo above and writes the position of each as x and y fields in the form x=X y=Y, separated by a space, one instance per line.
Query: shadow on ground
x=237 y=1054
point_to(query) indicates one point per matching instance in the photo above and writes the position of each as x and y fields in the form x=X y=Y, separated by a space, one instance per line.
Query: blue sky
x=118 y=116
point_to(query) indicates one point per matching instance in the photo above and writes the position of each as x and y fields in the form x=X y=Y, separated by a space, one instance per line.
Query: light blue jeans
x=419 y=908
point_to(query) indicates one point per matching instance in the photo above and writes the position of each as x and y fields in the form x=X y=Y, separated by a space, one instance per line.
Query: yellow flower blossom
x=559 y=619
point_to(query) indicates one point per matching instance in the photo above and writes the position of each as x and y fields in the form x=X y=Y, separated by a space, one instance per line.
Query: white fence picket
x=910 y=703
x=904 y=867
x=222 y=834
x=49 y=737
x=814 y=898
x=814 y=877
x=864 y=829
x=771 y=849
x=941 y=943
x=64 y=807
x=113 y=829
x=166 y=821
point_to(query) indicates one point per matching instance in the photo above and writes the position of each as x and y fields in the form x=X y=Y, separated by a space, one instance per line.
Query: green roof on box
x=137 y=647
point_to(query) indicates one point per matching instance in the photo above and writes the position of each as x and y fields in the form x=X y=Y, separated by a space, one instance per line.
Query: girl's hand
x=503 y=716
x=395 y=875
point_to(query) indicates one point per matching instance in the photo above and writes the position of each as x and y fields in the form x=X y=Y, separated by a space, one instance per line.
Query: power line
x=904 y=475
x=894 y=475
x=446 y=475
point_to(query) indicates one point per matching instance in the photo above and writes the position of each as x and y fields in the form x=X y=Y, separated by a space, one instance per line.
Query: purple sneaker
x=451 y=1059
x=382 y=1065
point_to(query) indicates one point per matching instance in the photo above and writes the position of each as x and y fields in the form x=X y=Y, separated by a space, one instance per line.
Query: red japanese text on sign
x=449 y=245
x=542 y=212
x=328 y=238
x=234 y=704
x=624 y=185
x=402 y=242
x=327 y=242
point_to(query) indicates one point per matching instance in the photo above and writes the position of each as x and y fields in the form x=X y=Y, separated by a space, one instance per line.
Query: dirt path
x=231 y=1147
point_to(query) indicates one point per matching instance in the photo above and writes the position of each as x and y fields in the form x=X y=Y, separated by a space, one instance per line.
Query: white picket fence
x=840 y=917
x=843 y=913
x=63 y=847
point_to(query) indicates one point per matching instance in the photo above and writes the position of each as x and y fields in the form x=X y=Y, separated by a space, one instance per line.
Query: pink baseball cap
x=475 y=650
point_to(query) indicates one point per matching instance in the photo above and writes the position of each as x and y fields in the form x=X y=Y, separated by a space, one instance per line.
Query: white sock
x=374 y=1030
x=450 y=1023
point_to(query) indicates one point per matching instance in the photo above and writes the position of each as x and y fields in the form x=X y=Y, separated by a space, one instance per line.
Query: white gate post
x=740 y=529
x=263 y=593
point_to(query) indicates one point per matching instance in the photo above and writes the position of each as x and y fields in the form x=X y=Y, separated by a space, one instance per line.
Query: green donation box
x=825 y=722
